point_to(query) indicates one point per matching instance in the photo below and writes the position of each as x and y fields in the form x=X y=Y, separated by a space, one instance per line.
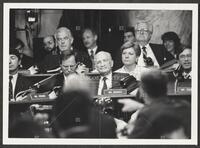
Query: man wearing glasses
x=152 y=54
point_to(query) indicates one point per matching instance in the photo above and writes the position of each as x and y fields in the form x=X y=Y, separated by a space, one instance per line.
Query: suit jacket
x=23 y=83
x=161 y=54
x=84 y=57
x=116 y=77
x=26 y=62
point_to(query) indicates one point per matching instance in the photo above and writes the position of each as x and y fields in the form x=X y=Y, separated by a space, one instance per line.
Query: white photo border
x=102 y=6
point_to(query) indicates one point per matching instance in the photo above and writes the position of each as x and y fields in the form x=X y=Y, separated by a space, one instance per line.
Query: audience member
x=152 y=54
x=26 y=61
x=129 y=35
x=183 y=71
x=25 y=127
x=68 y=65
x=17 y=82
x=153 y=88
x=165 y=120
x=64 y=39
x=89 y=37
x=104 y=64
x=51 y=59
x=130 y=55
x=50 y=44
x=75 y=117
x=111 y=80
x=171 y=42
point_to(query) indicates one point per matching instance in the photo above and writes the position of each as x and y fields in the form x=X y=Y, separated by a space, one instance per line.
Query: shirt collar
x=147 y=46
x=109 y=76
x=15 y=76
x=94 y=50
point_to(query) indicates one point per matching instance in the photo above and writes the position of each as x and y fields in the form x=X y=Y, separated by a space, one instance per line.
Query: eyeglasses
x=142 y=31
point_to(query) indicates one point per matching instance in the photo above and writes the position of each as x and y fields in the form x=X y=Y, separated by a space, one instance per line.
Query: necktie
x=104 y=85
x=147 y=60
x=91 y=54
x=92 y=58
x=144 y=52
x=10 y=88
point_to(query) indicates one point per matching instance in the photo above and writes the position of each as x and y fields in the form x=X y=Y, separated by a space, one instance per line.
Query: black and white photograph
x=100 y=73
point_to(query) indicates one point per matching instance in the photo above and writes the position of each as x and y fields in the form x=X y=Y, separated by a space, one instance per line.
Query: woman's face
x=129 y=57
x=169 y=45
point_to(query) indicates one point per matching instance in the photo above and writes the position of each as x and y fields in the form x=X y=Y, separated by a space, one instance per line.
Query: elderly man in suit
x=152 y=54
x=108 y=79
x=17 y=82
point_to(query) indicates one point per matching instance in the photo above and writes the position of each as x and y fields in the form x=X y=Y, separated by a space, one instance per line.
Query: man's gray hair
x=150 y=26
x=63 y=29
x=103 y=53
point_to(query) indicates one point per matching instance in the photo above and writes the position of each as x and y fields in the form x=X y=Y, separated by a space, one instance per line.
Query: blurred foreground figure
x=25 y=127
x=166 y=120
x=75 y=117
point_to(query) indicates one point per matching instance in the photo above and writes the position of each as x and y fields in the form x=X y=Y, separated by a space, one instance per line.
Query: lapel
x=19 y=84
x=158 y=52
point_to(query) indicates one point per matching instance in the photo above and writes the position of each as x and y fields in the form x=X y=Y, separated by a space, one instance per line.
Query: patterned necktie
x=104 y=85
x=147 y=60
x=144 y=52
x=10 y=88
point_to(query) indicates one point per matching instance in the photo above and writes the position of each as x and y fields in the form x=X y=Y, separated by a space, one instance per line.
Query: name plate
x=183 y=90
x=114 y=92
x=39 y=96
x=183 y=87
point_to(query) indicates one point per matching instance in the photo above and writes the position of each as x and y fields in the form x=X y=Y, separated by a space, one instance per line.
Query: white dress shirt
x=149 y=54
x=108 y=83
x=14 y=81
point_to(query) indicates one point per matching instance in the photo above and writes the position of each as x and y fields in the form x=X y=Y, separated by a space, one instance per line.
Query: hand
x=81 y=69
x=130 y=105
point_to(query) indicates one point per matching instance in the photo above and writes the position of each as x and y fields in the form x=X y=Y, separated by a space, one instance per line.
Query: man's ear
x=95 y=37
x=112 y=63
x=19 y=61
x=72 y=40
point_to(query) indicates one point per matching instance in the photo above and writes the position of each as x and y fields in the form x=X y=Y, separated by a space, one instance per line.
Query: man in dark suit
x=69 y=65
x=152 y=54
x=51 y=59
x=26 y=61
x=89 y=37
x=107 y=79
x=17 y=82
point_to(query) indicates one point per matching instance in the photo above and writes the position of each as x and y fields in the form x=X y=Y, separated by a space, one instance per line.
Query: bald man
x=108 y=79
x=152 y=54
